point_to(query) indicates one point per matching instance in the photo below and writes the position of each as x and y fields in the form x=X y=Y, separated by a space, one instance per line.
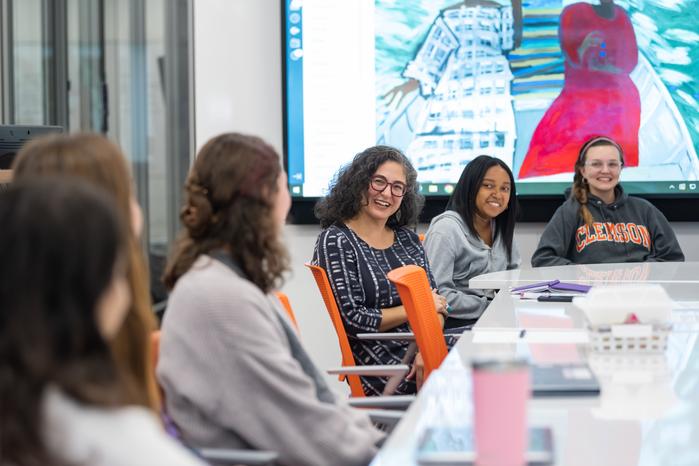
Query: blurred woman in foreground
x=100 y=162
x=64 y=295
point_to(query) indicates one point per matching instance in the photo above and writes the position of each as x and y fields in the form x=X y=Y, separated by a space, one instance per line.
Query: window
x=466 y=143
x=499 y=139
x=439 y=55
x=102 y=66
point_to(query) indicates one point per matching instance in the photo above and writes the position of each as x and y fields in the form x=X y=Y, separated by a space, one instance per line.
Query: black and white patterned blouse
x=357 y=275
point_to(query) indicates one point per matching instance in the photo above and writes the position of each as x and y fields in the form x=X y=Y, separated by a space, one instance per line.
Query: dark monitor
x=13 y=137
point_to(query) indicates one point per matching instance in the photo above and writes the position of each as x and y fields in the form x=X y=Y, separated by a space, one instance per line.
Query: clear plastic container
x=625 y=338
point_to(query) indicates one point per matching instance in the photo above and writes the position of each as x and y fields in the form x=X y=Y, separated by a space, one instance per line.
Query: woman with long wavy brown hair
x=64 y=295
x=233 y=370
x=99 y=161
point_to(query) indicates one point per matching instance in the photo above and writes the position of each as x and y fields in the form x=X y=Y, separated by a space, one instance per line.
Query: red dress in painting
x=598 y=96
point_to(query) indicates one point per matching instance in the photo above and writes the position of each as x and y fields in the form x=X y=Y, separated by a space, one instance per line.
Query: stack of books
x=554 y=290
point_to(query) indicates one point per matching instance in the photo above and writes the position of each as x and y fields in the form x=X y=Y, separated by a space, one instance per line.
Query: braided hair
x=229 y=206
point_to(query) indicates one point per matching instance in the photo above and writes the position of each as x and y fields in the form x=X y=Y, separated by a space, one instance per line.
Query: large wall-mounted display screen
x=524 y=81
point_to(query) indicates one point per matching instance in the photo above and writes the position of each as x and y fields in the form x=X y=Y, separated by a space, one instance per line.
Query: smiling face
x=494 y=193
x=601 y=169
x=380 y=205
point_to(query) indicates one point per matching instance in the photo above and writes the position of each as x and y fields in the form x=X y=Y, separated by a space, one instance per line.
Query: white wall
x=238 y=88
x=237 y=69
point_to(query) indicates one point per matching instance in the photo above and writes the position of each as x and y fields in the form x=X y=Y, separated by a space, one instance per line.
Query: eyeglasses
x=379 y=183
x=612 y=165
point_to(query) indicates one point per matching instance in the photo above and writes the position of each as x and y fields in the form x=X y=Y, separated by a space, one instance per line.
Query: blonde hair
x=581 y=188
x=99 y=161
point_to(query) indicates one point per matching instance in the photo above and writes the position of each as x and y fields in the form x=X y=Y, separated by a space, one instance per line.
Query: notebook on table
x=563 y=380
x=552 y=286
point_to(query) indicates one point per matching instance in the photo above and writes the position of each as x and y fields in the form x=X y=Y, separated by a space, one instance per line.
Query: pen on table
x=555 y=298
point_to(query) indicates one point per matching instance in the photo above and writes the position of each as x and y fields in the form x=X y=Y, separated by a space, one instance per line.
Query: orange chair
x=421 y=236
x=284 y=299
x=416 y=294
x=349 y=370
x=329 y=299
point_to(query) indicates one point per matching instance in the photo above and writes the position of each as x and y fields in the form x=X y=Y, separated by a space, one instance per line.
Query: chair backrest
x=416 y=294
x=331 y=305
x=421 y=236
x=284 y=299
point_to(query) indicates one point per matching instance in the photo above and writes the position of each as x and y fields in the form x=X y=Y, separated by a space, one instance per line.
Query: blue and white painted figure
x=463 y=74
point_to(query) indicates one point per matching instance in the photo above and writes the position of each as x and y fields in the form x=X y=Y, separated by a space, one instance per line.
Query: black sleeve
x=421 y=260
x=664 y=244
x=335 y=254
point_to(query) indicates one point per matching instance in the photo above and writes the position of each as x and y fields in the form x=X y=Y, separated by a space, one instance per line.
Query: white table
x=648 y=412
x=509 y=311
x=592 y=274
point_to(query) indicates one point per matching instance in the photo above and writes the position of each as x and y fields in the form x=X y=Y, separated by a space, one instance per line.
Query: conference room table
x=594 y=274
x=648 y=410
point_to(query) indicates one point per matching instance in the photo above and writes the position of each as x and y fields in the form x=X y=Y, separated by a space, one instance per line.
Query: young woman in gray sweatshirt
x=599 y=222
x=474 y=236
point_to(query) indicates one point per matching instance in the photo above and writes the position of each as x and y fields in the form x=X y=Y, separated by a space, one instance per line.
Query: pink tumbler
x=500 y=393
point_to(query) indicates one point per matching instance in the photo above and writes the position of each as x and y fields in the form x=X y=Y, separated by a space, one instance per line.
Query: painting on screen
x=529 y=81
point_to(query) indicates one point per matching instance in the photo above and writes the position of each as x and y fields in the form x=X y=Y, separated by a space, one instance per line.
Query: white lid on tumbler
x=499 y=365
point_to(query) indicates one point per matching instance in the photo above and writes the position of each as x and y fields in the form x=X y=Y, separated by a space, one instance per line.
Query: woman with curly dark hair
x=366 y=218
x=235 y=374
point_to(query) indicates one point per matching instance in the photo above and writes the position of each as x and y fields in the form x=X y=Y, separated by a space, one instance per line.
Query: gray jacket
x=630 y=229
x=456 y=255
x=231 y=378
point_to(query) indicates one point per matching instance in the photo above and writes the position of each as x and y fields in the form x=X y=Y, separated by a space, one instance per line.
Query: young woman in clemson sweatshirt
x=599 y=222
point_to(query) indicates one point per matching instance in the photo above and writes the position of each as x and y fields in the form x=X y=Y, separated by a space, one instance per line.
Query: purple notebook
x=552 y=286
x=564 y=286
